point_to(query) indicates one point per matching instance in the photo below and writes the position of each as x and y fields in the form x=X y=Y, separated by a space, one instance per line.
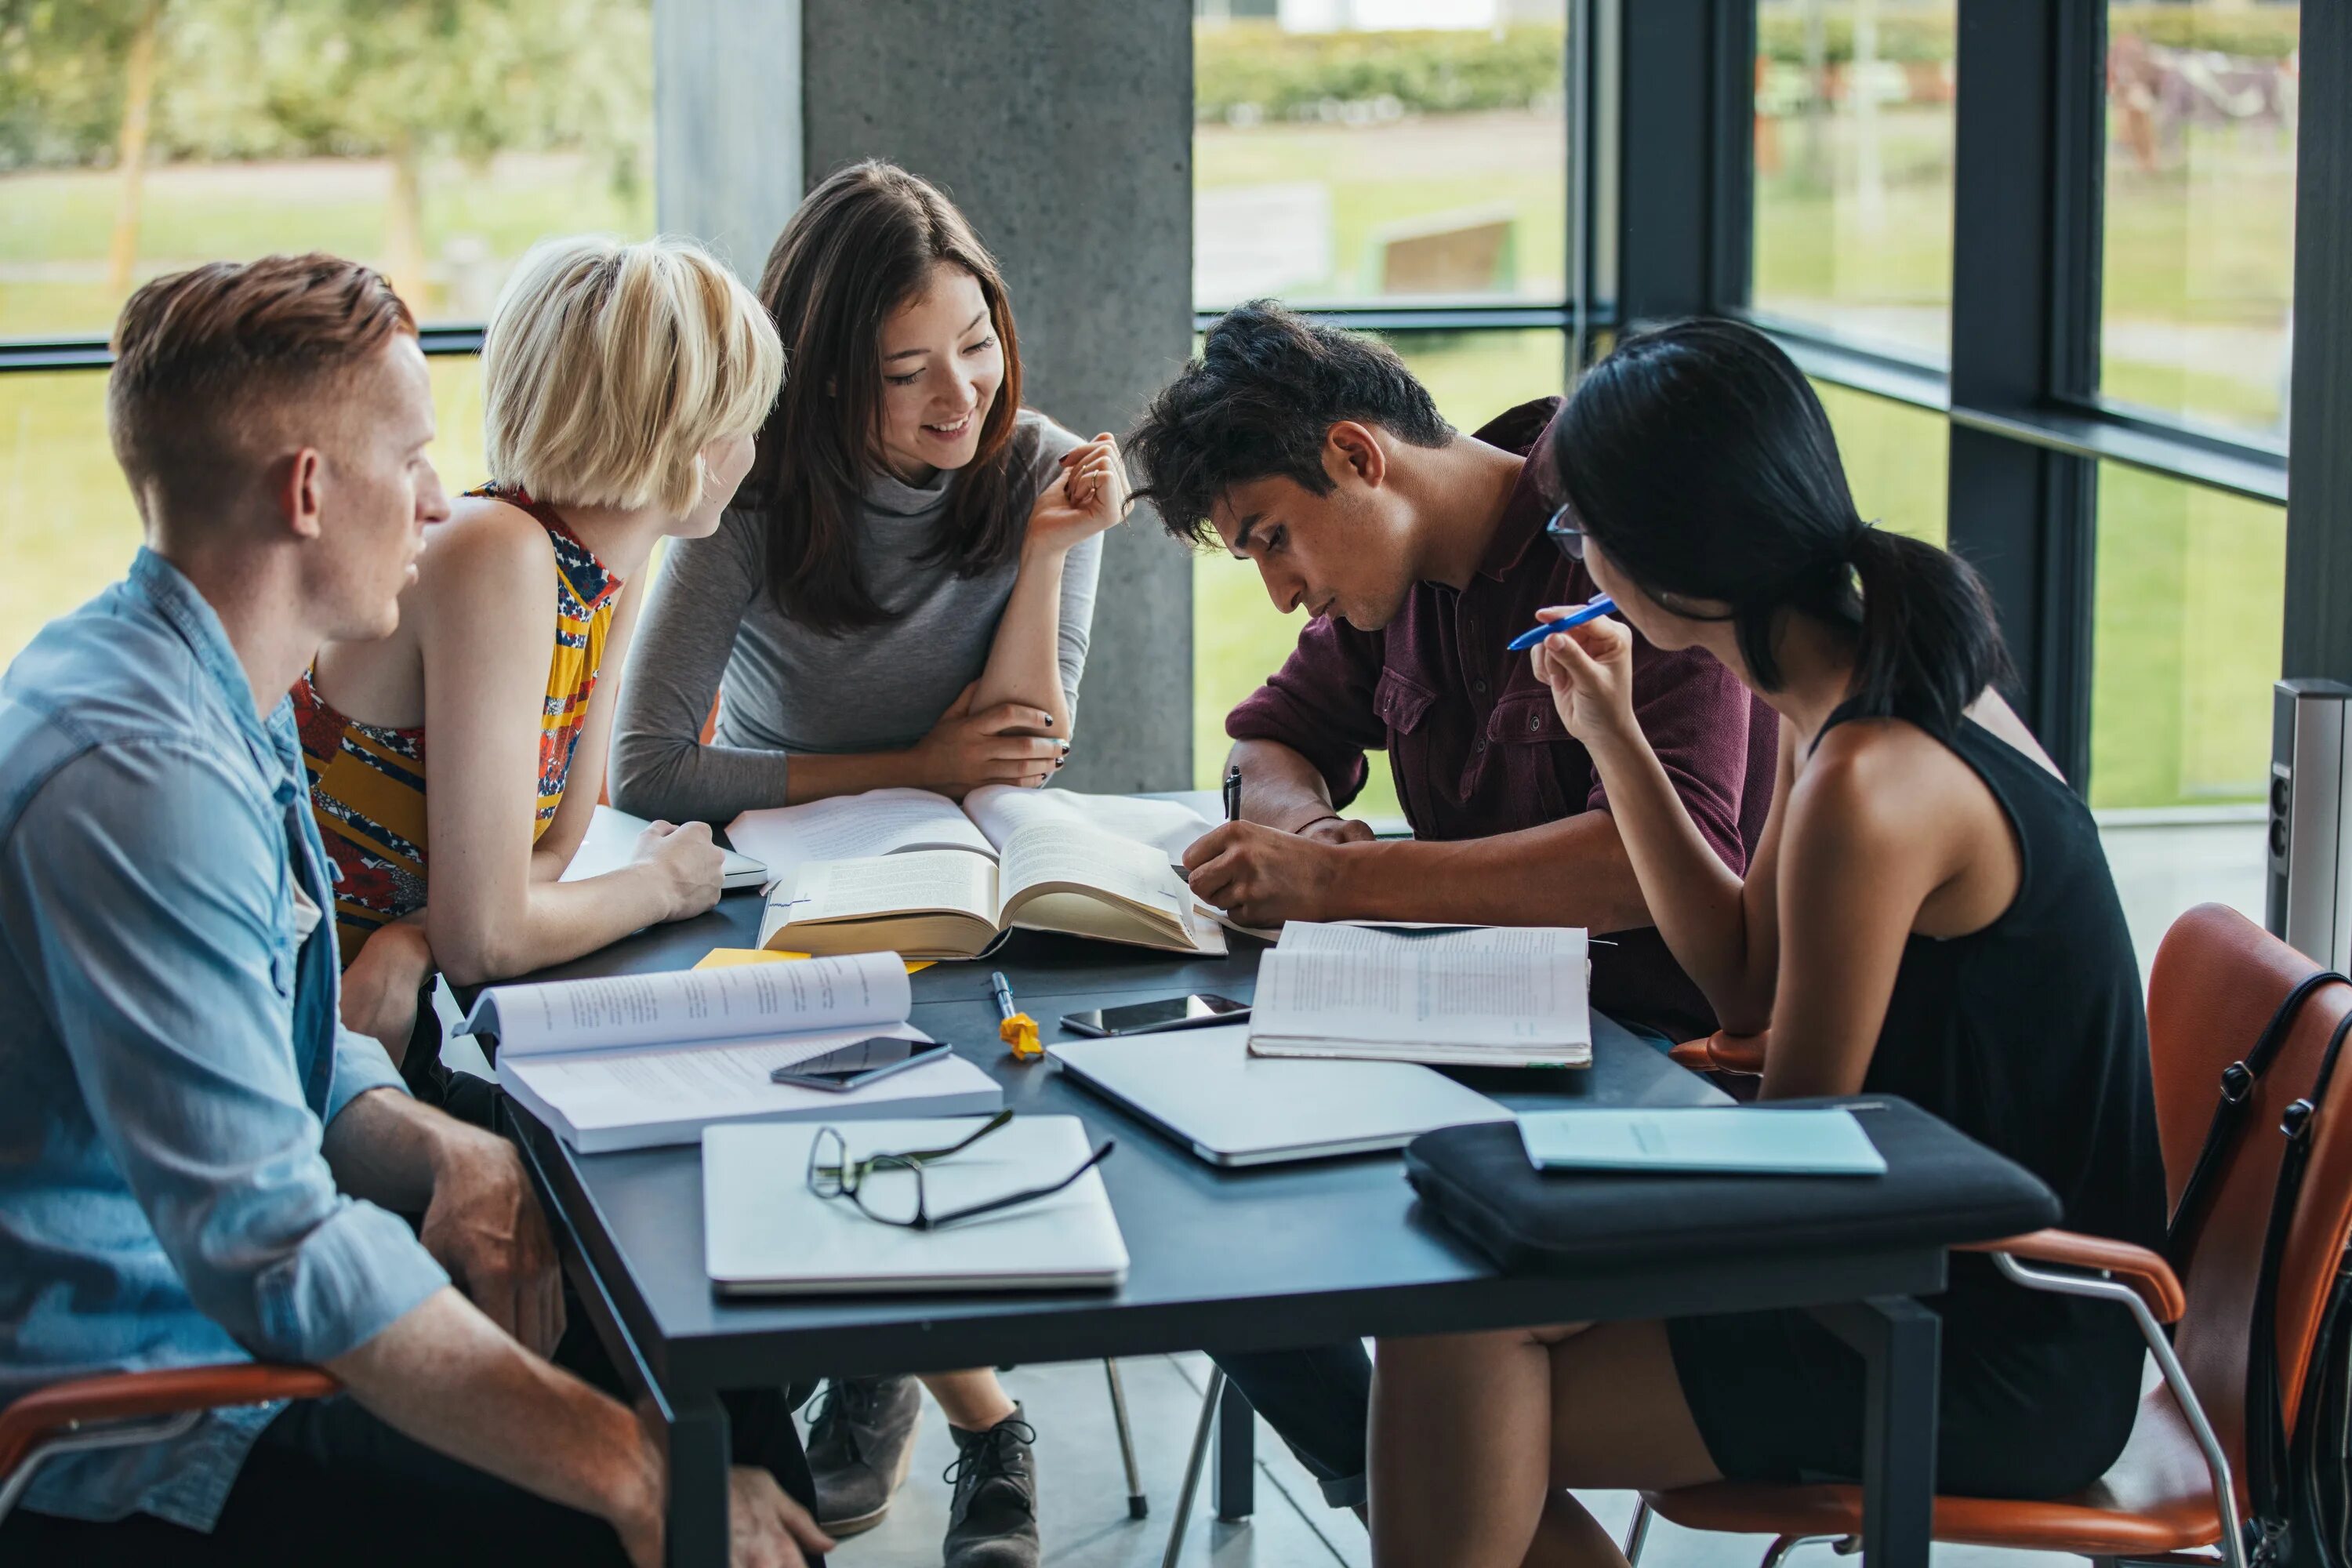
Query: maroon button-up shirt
x=1475 y=744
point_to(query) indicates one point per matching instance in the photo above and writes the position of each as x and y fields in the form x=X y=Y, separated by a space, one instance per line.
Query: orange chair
x=2178 y=1485
x=1733 y=1056
x=123 y=1410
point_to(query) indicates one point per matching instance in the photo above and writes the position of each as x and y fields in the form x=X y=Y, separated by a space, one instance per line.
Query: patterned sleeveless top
x=367 y=780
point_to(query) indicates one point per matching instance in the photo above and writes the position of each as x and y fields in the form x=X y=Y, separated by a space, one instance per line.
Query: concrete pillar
x=727 y=123
x=1063 y=129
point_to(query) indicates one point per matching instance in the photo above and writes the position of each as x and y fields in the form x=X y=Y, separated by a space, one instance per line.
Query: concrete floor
x=2161 y=868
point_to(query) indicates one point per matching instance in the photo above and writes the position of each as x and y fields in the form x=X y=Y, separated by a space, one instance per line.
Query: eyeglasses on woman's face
x=1566 y=534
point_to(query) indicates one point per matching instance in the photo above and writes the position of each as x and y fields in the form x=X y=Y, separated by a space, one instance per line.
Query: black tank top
x=2029 y=1036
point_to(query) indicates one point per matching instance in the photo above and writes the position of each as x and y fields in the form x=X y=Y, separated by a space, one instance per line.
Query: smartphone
x=1148 y=1018
x=853 y=1067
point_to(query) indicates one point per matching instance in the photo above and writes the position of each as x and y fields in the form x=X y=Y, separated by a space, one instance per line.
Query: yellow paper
x=728 y=957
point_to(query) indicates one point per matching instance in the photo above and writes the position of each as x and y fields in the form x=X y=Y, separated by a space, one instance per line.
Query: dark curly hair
x=1268 y=387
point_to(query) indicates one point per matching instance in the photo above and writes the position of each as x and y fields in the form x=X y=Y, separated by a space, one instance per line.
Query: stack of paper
x=1498 y=996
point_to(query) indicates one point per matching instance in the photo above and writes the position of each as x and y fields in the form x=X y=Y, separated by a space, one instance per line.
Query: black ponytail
x=1698 y=457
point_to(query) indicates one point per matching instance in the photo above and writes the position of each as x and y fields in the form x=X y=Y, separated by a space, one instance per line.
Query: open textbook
x=1498 y=996
x=909 y=871
x=633 y=1060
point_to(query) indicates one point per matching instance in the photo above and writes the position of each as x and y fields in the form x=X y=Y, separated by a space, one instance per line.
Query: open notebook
x=1511 y=996
x=912 y=872
x=611 y=839
x=634 y=1060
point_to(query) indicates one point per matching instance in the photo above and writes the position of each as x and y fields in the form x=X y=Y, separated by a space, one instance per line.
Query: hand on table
x=1262 y=876
x=691 y=867
x=484 y=1225
x=996 y=746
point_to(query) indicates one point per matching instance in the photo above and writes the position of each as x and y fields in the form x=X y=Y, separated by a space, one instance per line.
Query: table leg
x=696 y=1536
x=1234 y=1485
x=1901 y=1343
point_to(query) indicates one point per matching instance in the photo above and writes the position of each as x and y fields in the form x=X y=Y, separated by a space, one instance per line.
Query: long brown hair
x=860 y=246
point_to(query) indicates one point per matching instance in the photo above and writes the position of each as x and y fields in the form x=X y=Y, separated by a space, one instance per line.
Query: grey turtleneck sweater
x=711 y=624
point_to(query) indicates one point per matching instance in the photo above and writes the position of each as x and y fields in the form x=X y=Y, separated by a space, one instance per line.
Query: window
x=1853 y=147
x=1896 y=460
x=2199 y=253
x=1239 y=639
x=2191 y=587
x=1359 y=150
x=434 y=141
x=67 y=525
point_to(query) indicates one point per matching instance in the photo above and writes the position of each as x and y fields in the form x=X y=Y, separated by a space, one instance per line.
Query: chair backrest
x=2217 y=980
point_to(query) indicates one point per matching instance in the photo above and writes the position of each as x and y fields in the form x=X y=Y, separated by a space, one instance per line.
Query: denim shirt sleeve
x=360 y=1065
x=159 y=886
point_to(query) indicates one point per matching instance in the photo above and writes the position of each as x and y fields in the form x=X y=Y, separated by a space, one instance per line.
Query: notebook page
x=1168 y=827
x=1499 y=986
x=1069 y=852
x=694 y=1006
x=853 y=827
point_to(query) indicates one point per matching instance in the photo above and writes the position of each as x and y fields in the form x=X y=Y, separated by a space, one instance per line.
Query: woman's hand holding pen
x=996 y=746
x=1089 y=496
x=1589 y=670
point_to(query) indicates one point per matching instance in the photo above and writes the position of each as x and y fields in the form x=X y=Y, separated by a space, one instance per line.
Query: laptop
x=1203 y=1088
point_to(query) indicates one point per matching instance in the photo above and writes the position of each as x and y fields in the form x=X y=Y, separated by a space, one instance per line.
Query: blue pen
x=1593 y=611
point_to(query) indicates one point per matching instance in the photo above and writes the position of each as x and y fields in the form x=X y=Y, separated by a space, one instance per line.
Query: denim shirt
x=171 y=1052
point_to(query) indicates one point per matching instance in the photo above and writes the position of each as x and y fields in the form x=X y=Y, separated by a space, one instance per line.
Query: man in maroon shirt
x=1419 y=553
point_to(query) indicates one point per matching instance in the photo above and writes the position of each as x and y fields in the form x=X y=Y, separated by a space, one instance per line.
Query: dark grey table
x=1297 y=1255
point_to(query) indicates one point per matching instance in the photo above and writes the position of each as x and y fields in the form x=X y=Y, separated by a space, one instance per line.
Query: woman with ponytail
x=1928 y=914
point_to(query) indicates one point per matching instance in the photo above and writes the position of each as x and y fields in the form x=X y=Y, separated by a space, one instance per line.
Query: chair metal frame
x=2103 y=1287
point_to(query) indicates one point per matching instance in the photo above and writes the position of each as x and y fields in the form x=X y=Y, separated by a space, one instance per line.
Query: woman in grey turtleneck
x=901 y=596
x=903 y=592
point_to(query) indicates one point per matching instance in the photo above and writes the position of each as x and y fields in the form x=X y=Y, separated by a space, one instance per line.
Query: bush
x=2257 y=32
x=1245 y=71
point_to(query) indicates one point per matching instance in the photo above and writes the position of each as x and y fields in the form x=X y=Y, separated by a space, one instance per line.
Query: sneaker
x=992 y=1521
x=861 y=1438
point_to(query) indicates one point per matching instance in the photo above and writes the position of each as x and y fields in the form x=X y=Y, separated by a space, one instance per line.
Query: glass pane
x=1853 y=169
x=1239 y=639
x=435 y=141
x=68 y=527
x=1350 y=150
x=2190 y=586
x=2199 y=255
x=1897 y=459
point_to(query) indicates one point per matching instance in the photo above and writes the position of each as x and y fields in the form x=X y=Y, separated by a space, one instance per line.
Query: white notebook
x=612 y=838
x=764 y=1233
x=1510 y=997
x=631 y=1061
x=1728 y=1138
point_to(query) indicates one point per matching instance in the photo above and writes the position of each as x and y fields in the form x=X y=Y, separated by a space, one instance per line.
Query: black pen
x=1232 y=794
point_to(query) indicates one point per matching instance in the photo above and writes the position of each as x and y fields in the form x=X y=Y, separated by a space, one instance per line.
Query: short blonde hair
x=609 y=367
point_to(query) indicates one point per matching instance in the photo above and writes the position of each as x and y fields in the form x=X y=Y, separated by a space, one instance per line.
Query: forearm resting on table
x=445 y=1375
x=550 y=922
x=1572 y=872
x=1698 y=904
x=816 y=775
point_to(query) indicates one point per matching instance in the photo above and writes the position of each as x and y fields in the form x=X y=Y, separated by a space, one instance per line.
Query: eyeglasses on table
x=902 y=1198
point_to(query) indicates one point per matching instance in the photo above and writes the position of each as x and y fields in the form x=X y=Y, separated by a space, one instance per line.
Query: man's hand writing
x=1262 y=876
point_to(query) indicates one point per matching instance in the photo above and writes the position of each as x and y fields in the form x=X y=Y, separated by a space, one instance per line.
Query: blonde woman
x=625 y=386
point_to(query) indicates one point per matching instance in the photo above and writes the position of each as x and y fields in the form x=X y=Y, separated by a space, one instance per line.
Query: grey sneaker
x=860 y=1441
x=993 y=1523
